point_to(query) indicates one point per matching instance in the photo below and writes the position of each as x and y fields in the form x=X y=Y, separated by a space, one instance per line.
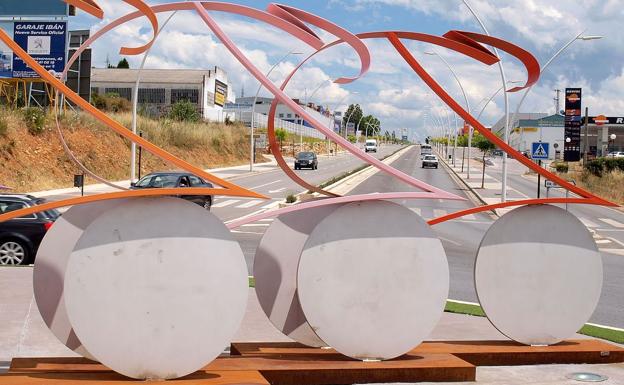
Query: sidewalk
x=25 y=335
x=492 y=187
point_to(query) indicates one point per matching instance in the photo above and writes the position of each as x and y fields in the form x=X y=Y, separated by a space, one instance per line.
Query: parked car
x=174 y=179
x=616 y=154
x=370 y=145
x=430 y=161
x=306 y=159
x=20 y=237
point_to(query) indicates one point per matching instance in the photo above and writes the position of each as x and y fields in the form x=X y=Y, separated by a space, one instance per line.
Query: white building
x=159 y=89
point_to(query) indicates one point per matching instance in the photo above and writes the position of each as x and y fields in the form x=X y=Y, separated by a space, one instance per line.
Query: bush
x=291 y=198
x=561 y=167
x=111 y=102
x=35 y=119
x=600 y=166
x=184 y=111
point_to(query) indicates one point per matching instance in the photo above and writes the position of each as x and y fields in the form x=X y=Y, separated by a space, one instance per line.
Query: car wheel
x=13 y=252
x=207 y=204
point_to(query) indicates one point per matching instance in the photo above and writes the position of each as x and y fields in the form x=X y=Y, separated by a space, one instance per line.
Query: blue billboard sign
x=21 y=8
x=45 y=41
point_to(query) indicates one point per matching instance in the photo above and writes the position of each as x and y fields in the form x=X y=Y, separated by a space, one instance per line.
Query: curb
x=473 y=195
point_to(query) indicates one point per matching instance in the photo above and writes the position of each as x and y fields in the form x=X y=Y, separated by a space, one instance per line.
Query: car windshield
x=305 y=155
x=430 y=157
x=158 y=181
x=371 y=143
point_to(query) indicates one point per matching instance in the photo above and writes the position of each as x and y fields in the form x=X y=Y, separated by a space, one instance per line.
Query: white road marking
x=602 y=241
x=226 y=203
x=416 y=210
x=246 y=232
x=439 y=213
x=266 y=184
x=450 y=241
x=276 y=191
x=612 y=222
x=587 y=222
x=256 y=225
x=266 y=220
x=249 y=204
x=270 y=205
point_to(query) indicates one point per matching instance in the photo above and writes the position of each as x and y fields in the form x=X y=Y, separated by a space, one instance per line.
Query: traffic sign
x=539 y=150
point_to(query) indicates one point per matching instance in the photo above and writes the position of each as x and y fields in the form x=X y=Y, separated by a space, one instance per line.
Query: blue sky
x=390 y=90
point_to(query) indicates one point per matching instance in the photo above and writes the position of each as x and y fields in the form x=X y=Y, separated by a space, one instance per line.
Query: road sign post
x=539 y=151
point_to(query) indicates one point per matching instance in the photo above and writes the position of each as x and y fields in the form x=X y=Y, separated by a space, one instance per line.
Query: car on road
x=616 y=154
x=430 y=161
x=306 y=159
x=20 y=237
x=370 y=145
x=174 y=179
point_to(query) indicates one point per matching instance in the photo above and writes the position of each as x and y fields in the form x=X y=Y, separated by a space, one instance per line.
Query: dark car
x=20 y=237
x=306 y=159
x=176 y=179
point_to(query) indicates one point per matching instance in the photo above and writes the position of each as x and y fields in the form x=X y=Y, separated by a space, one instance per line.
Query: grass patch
x=606 y=334
x=464 y=308
x=616 y=336
x=252 y=281
x=608 y=186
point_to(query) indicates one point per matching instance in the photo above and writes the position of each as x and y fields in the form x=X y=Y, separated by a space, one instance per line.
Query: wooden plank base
x=296 y=364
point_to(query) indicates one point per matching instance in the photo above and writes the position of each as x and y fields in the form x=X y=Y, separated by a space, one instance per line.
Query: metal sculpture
x=311 y=265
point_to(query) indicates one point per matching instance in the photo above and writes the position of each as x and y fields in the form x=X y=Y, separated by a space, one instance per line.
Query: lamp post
x=526 y=92
x=253 y=107
x=611 y=140
x=349 y=117
x=307 y=99
x=461 y=87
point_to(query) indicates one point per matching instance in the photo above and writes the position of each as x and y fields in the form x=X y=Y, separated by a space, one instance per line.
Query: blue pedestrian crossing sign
x=539 y=150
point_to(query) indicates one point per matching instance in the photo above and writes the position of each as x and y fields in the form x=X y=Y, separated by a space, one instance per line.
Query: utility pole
x=585 y=143
x=557 y=100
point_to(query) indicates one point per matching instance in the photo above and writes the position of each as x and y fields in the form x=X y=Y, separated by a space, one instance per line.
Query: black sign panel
x=572 y=127
x=610 y=120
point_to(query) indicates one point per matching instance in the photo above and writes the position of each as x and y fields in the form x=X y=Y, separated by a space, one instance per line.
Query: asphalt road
x=461 y=237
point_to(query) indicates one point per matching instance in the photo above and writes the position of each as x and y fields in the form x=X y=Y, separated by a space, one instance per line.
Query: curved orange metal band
x=89 y=6
x=404 y=52
x=121 y=130
x=120 y=195
x=147 y=11
x=478 y=209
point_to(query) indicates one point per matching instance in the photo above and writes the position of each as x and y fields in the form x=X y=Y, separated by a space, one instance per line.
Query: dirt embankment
x=38 y=162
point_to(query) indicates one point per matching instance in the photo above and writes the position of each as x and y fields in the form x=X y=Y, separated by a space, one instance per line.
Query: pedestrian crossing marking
x=588 y=223
x=226 y=203
x=249 y=204
x=612 y=222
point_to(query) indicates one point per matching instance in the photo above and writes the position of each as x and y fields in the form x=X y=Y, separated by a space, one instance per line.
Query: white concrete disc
x=156 y=288
x=50 y=264
x=373 y=280
x=538 y=274
x=275 y=271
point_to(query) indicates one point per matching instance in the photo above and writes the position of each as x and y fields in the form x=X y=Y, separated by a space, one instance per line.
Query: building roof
x=555 y=120
x=124 y=75
x=500 y=125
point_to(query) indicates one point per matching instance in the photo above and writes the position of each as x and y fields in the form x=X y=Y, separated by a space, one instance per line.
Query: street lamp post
x=611 y=140
x=461 y=87
x=253 y=107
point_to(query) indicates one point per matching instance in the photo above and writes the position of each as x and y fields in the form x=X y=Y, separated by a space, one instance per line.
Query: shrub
x=561 y=167
x=184 y=111
x=600 y=166
x=291 y=198
x=35 y=119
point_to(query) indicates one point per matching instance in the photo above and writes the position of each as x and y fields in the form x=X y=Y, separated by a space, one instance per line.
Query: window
x=151 y=95
x=281 y=115
x=164 y=181
x=195 y=181
x=289 y=116
x=192 y=95
x=125 y=93
x=8 y=206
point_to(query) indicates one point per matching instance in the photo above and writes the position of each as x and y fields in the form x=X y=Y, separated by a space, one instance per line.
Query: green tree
x=483 y=144
x=184 y=111
x=123 y=63
x=354 y=114
x=280 y=134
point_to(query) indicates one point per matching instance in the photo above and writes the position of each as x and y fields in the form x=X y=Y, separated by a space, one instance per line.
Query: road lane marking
x=249 y=204
x=276 y=191
x=612 y=222
x=587 y=222
x=439 y=213
x=256 y=225
x=266 y=184
x=416 y=210
x=226 y=203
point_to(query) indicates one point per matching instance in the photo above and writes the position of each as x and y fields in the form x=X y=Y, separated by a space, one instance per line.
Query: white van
x=371 y=145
